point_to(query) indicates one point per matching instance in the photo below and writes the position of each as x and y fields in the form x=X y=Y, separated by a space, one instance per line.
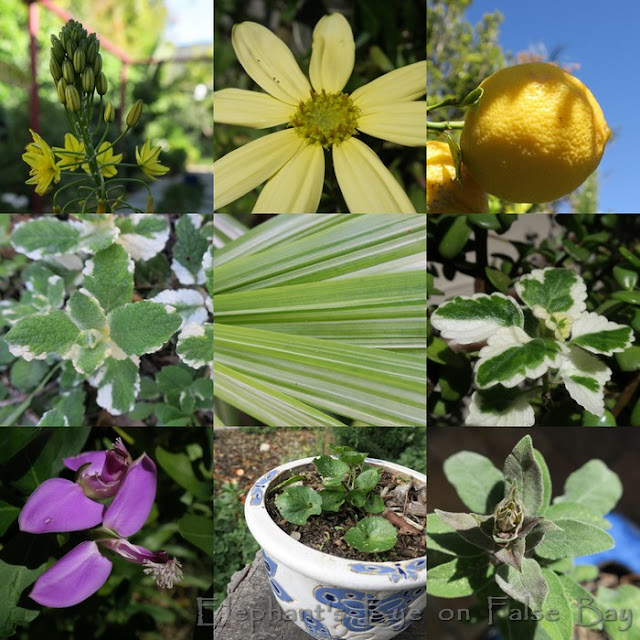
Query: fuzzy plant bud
x=79 y=60
x=61 y=86
x=97 y=65
x=109 y=113
x=67 y=72
x=101 y=83
x=72 y=98
x=508 y=518
x=88 y=80
x=134 y=114
x=55 y=68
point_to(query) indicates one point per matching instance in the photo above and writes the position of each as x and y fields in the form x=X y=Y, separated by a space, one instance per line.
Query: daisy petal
x=367 y=185
x=401 y=85
x=297 y=187
x=402 y=123
x=245 y=168
x=333 y=54
x=249 y=109
x=269 y=62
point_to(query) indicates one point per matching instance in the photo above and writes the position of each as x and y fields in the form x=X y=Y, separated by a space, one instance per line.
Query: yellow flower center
x=326 y=118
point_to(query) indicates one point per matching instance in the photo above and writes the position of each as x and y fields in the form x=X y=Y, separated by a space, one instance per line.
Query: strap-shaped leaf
x=500 y=407
x=85 y=310
x=557 y=296
x=38 y=335
x=118 y=384
x=195 y=345
x=109 y=277
x=584 y=378
x=476 y=318
x=143 y=327
x=595 y=333
x=511 y=356
x=143 y=236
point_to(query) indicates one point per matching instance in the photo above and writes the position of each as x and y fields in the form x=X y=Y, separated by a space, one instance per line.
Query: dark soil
x=324 y=532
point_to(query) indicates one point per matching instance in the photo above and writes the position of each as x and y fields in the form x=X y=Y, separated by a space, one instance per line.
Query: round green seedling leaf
x=626 y=278
x=367 y=480
x=372 y=535
x=333 y=498
x=331 y=469
x=607 y=419
x=297 y=504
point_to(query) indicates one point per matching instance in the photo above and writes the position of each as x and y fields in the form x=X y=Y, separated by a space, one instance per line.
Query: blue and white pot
x=335 y=598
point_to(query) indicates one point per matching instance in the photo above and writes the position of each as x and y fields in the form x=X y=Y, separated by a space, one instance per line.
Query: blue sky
x=603 y=37
x=190 y=21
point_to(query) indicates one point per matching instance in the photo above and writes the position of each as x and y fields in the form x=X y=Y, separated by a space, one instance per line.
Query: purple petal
x=73 y=578
x=59 y=505
x=132 y=504
x=133 y=552
x=94 y=458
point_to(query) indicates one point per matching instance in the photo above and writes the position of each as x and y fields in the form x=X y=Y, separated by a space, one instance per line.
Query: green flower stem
x=447 y=102
x=92 y=157
x=66 y=186
x=445 y=126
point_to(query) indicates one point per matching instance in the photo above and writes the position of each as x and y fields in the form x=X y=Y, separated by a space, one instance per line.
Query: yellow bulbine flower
x=71 y=154
x=44 y=170
x=320 y=116
x=105 y=156
x=147 y=158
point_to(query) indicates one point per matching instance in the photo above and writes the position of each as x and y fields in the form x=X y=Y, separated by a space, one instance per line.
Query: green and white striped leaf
x=142 y=235
x=511 y=356
x=475 y=318
x=595 y=333
x=500 y=407
x=38 y=335
x=109 y=277
x=195 y=345
x=265 y=403
x=584 y=378
x=226 y=228
x=556 y=296
x=385 y=311
x=385 y=389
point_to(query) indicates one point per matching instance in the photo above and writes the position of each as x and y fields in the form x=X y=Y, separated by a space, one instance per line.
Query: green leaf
x=597 y=334
x=619 y=608
x=332 y=498
x=39 y=335
x=557 y=296
x=85 y=310
x=573 y=539
x=528 y=586
x=630 y=297
x=190 y=304
x=455 y=238
x=629 y=359
x=560 y=626
x=460 y=577
x=593 y=485
x=478 y=483
x=546 y=481
x=188 y=251
x=331 y=469
x=498 y=406
x=8 y=513
x=626 y=278
x=372 y=535
x=143 y=236
x=578 y=596
x=197 y=530
x=14 y=579
x=357 y=498
x=172 y=379
x=474 y=528
x=584 y=377
x=476 y=318
x=45 y=236
x=26 y=375
x=195 y=345
x=109 y=277
x=297 y=504
x=445 y=539
x=143 y=327
x=511 y=356
x=87 y=354
x=14 y=440
x=368 y=479
x=118 y=383
x=179 y=467
x=53 y=418
x=374 y=504
x=522 y=470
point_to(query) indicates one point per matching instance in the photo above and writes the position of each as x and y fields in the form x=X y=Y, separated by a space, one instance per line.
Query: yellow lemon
x=535 y=135
x=444 y=193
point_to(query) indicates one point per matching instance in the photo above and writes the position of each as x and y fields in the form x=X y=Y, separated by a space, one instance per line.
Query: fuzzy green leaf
x=498 y=406
x=109 y=277
x=38 y=335
x=528 y=586
x=573 y=539
x=143 y=236
x=118 y=383
x=189 y=250
x=53 y=418
x=331 y=469
x=460 y=577
x=195 y=345
x=85 y=310
x=522 y=470
x=46 y=236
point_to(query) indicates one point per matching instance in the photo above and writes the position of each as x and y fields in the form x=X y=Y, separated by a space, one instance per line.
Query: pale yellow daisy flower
x=319 y=116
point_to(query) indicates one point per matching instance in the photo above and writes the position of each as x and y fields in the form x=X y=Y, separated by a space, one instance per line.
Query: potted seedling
x=514 y=552
x=343 y=540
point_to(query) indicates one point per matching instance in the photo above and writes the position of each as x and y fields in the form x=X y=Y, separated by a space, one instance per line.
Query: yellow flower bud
x=55 y=68
x=109 y=113
x=61 y=86
x=134 y=114
x=72 y=98
x=79 y=60
x=67 y=72
x=88 y=80
x=101 y=83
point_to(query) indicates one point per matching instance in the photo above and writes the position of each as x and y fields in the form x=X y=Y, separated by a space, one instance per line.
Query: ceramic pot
x=335 y=598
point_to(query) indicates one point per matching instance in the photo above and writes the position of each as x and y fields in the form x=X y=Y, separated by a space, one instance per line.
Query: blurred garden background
x=388 y=35
x=171 y=51
x=244 y=454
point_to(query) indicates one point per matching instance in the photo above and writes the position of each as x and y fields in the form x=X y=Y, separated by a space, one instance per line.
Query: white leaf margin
x=578 y=362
